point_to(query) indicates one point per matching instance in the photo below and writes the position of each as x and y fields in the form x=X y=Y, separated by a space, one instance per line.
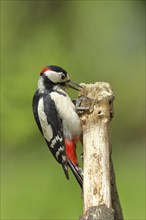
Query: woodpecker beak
x=72 y=85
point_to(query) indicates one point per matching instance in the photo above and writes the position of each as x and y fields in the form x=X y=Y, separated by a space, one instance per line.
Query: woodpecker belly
x=66 y=111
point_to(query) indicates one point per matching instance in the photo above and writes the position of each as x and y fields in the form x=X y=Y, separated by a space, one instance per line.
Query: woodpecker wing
x=50 y=125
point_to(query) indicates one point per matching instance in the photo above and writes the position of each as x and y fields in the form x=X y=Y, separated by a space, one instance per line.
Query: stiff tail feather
x=78 y=173
x=65 y=169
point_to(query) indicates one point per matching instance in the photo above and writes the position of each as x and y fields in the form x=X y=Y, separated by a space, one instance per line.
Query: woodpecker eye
x=62 y=76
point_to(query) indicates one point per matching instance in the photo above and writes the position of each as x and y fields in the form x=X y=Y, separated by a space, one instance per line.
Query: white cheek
x=53 y=76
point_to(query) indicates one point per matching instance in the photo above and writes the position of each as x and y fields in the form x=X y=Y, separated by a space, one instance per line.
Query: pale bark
x=97 y=188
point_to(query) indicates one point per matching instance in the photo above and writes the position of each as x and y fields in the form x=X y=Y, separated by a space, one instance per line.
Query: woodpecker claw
x=82 y=108
x=88 y=104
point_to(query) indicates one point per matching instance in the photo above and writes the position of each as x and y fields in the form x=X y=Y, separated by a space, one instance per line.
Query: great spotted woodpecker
x=56 y=117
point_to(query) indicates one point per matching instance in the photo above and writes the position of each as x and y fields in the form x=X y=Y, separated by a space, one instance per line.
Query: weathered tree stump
x=99 y=187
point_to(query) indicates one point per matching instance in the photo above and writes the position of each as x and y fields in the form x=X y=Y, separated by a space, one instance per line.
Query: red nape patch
x=71 y=151
x=45 y=69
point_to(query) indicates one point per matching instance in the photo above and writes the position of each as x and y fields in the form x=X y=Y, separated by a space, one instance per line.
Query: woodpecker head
x=55 y=76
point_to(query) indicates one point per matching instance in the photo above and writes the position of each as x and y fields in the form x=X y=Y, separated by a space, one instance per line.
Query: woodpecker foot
x=82 y=108
x=83 y=104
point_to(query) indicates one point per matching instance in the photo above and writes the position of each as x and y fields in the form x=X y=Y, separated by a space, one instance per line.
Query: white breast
x=66 y=110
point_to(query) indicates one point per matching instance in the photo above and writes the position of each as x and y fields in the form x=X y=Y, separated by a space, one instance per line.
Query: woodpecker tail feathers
x=77 y=171
x=65 y=169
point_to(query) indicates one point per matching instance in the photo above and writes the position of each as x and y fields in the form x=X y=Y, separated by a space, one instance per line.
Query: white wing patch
x=46 y=128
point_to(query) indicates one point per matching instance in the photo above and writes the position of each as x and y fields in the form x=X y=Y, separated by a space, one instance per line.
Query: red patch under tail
x=71 y=151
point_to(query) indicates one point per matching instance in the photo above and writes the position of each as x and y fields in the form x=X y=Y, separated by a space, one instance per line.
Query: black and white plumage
x=56 y=117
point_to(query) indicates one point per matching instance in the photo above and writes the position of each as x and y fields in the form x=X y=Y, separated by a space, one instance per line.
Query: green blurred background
x=94 y=41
